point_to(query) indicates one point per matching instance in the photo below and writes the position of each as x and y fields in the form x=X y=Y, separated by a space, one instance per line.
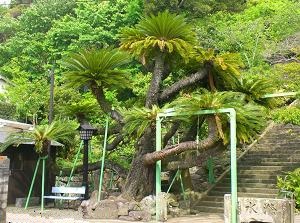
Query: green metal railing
x=103 y=159
x=232 y=116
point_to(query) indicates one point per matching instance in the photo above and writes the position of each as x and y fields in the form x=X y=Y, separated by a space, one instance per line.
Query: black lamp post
x=86 y=132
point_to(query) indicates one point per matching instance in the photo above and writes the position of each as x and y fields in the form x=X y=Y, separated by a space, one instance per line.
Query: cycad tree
x=156 y=37
x=99 y=69
x=42 y=135
x=160 y=42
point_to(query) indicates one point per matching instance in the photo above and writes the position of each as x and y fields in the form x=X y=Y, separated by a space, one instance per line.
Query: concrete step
x=245 y=194
x=250 y=180
x=250 y=185
x=259 y=176
x=284 y=155
x=211 y=203
x=277 y=168
x=213 y=198
x=209 y=209
x=274 y=159
x=247 y=190
x=266 y=171
x=268 y=163
x=263 y=152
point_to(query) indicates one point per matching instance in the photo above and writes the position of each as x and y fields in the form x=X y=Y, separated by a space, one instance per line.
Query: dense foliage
x=190 y=55
x=290 y=186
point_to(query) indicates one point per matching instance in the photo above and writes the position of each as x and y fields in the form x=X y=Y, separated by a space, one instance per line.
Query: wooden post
x=4 y=176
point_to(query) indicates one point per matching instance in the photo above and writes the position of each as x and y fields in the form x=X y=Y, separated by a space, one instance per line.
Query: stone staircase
x=276 y=152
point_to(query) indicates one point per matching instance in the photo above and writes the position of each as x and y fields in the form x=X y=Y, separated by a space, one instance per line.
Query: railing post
x=32 y=182
x=233 y=164
x=158 y=169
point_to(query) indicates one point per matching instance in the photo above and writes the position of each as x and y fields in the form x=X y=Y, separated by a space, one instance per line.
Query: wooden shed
x=22 y=162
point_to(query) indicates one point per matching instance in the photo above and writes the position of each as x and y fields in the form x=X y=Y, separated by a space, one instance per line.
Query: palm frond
x=255 y=88
x=62 y=131
x=165 y=32
x=250 y=117
x=99 y=66
x=139 y=119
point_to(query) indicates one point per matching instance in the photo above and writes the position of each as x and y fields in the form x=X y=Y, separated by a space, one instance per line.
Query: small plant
x=287 y=115
x=290 y=186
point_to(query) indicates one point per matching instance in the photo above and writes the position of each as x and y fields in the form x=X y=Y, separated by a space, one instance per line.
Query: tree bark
x=181 y=84
x=152 y=94
x=104 y=104
x=209 y=142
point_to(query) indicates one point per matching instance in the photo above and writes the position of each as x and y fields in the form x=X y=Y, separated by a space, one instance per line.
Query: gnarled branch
x=209 y=142
x=105 y=105
x=113 y=145
x=179 y=85
x=171 y=132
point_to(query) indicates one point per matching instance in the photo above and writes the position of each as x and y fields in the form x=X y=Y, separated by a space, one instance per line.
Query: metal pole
x=43 y=184
x=103 y=159
x=233 y=163
x=74 y=164
x=85 y=168
x=158 y=168
x=32 y=182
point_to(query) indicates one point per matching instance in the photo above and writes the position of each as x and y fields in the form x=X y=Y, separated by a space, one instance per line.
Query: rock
x=171 y=199
x=123 y=208
x=252 y=209
x=148 y=204
x=126 y=218
x=185 y=204
x=174 y=211
x=134 y=206
x=105 y=209
x=140 y=215
x=178 y=212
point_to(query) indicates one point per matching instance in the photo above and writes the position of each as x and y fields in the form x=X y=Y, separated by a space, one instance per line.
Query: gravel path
x=53 y=215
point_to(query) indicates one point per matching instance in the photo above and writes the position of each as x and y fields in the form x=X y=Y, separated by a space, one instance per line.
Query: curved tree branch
x=105 y=105
x=171 y=132
x=193 y=160
x=113 y=145
x=179 y=85
x=210 y=141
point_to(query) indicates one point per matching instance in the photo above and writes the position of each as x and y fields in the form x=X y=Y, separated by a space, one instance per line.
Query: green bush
x=287 y=115
x=290 y=185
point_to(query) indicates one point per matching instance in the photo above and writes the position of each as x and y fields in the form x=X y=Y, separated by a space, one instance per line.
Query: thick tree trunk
x=153 y=92
x=140 y=180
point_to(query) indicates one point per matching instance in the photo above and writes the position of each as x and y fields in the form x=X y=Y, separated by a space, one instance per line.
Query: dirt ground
x=53 y=215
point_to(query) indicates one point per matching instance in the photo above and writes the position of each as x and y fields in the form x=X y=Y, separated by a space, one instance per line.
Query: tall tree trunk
x=140 y=180
x=153 y=91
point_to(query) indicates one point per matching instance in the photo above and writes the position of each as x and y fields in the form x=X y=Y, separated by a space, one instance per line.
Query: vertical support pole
x=158 y=168
x=74 y=164
x=103 y=159
x=32 y=182
x=85 y=182
x=233 y=162
x=43 y=183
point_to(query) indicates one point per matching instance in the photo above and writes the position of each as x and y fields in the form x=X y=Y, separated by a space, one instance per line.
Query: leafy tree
x=193 y=8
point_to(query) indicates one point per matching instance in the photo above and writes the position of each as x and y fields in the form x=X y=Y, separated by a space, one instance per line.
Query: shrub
x=287 y=115
x=290 y=185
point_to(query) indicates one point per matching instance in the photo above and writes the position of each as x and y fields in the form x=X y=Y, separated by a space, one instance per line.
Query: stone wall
x=260 y=210
x=4 y=176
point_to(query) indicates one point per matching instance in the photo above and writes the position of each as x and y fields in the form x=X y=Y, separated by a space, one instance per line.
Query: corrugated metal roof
x=7 y=127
